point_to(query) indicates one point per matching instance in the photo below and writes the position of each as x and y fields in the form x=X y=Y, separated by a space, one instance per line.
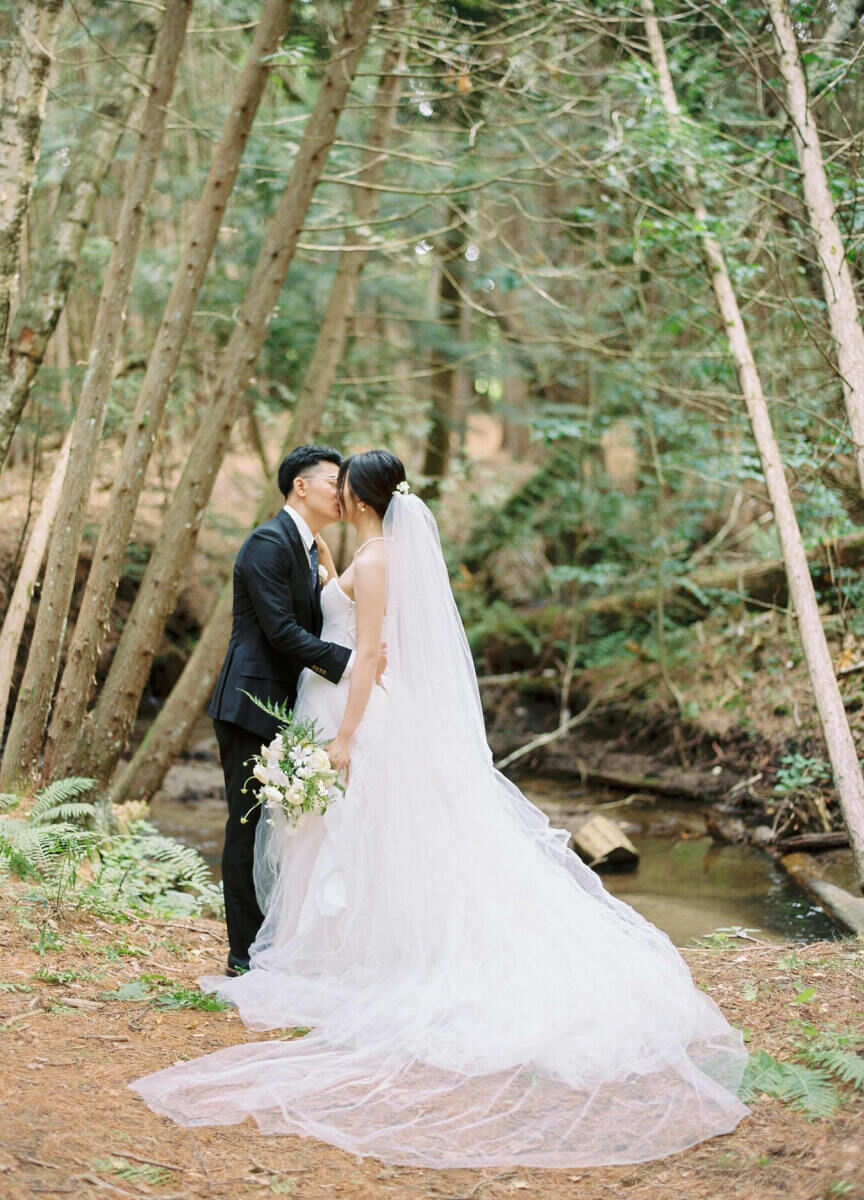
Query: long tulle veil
x=477 y=997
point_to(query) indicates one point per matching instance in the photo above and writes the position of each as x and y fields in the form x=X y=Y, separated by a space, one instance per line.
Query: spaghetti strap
x=369 y=542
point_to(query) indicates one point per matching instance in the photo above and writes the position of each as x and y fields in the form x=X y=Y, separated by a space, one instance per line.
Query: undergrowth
x=78 y=853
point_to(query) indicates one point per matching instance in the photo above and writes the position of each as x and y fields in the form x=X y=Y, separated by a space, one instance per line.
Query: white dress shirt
x=307 y=537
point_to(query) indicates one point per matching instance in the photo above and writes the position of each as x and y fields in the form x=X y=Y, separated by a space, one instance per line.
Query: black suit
x=274 y=635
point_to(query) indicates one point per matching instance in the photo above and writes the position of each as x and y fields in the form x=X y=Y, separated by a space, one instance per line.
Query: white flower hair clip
x=402 y=489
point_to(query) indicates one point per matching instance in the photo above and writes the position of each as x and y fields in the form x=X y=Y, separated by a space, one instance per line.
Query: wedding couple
x=475 y=997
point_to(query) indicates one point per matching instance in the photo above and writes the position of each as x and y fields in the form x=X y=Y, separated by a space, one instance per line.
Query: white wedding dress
x=475 y=996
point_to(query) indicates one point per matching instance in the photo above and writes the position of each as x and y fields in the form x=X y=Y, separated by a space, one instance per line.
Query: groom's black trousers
x=242 y=914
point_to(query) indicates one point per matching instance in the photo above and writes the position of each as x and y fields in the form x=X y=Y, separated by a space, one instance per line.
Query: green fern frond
x=8 y=801
x=845 y=1064
x=762 y=1074
x=188 y=864
x=62 y=791
x=811 y=1091
x=74 y=811
x=43 y=850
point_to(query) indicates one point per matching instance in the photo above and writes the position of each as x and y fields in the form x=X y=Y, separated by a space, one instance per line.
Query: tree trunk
x=114 y=714
x=28 y=723
x=832 y=715
x=846 y=16
x=48 y=286
x=168 y=734
x=837 y=286
x=86 y=642
x=444 y=378
x=28 y=574
x=23 y=84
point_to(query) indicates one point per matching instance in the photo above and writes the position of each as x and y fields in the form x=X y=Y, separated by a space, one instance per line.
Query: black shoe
x=236 y=966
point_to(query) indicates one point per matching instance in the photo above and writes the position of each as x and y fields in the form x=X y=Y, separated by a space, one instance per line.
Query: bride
x=475 y=996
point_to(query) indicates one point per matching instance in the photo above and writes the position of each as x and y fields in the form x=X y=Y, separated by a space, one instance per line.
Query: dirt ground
x=70 y=1126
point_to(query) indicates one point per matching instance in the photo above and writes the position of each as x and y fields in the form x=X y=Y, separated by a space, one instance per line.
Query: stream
x=685 y=883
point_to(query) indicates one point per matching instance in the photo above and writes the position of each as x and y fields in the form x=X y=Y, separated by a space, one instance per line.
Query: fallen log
x=814 y=841
x=691 y=594
x=679 y=785
x=602 y=842
x=844 y=908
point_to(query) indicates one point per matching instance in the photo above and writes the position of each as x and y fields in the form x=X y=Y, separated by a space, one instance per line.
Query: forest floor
x=88 y=1005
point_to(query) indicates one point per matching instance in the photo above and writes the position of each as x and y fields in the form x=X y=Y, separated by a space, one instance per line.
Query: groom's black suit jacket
x=275 y=628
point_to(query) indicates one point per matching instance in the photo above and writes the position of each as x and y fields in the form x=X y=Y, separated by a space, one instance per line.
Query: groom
x=274 y=635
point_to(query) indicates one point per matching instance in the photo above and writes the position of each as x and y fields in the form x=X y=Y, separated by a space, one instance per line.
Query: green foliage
x=826 y=1058
x=804 y=1088
x=139 y=870
x=49 y=842
x=147 y=871
x=799 y=773
x=132 y=1172
x=159 y=992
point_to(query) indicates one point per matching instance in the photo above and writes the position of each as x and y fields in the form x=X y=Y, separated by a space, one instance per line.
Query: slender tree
x=829 y=702
x=837 y=285
x=23 y=83
x=28 y=575
x=94 y=613
x=49 y=281
x=111 y=720
x=34 y=700
x=170 y=731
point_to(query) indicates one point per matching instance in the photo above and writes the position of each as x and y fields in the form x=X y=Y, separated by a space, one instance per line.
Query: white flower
x=271 y=795
x=319 y=759
x=323 y=573
x=261 y=773
x=402 y=488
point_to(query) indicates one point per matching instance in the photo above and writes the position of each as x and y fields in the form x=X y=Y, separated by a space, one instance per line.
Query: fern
x=811 y=1091
x=140 y=868
x=56 y=795
x=846 y=1065
x=76 y=811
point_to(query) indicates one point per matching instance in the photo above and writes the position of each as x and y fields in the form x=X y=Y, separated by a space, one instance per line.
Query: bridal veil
x=475 y=996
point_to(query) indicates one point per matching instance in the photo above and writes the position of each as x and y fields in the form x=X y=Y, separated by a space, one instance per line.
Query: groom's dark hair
x=301 y=460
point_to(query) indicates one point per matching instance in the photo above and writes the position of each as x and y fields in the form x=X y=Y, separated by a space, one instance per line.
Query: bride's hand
x=340 y=754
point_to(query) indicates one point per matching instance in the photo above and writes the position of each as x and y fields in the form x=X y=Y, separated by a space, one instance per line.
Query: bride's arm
x=370 y=594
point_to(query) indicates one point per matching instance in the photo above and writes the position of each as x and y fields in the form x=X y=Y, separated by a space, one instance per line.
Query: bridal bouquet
x=294 y=770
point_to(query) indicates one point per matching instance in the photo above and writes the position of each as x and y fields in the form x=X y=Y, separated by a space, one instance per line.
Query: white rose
x=319 y=760
x=260 y=772
x=323 y=573
x=271 y=795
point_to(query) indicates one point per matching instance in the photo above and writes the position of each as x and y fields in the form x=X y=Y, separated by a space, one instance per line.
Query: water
x=685 y=883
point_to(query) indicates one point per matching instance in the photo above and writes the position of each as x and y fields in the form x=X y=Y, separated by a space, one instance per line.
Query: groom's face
x=321 y=495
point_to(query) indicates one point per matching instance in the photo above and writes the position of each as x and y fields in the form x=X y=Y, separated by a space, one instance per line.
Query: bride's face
x=348 y=503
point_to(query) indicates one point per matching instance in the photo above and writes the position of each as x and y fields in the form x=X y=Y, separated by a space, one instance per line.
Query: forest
x=596 y=273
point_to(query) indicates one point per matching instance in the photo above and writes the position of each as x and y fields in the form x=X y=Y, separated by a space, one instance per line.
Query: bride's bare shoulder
x=370 y=562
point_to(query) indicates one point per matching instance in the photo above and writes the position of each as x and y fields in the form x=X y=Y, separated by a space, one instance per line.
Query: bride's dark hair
x=373 y=476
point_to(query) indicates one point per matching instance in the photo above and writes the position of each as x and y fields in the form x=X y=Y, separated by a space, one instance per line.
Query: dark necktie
x=313 y=563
